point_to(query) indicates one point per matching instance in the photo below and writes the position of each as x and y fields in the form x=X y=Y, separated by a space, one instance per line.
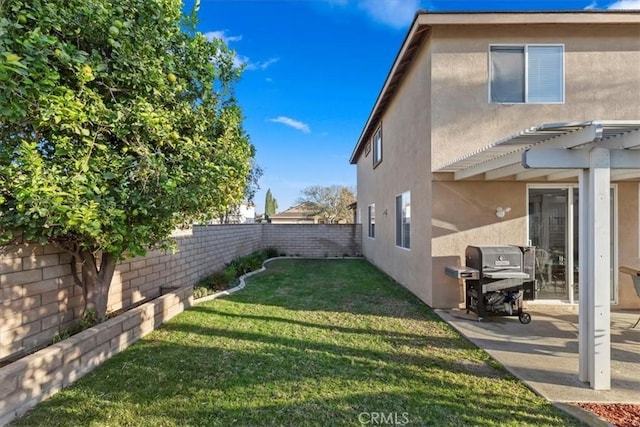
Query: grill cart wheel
x=525 y=318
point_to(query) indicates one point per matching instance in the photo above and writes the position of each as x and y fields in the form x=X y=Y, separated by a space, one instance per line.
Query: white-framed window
x=526 y=74
x=403 y=220
x=377 y=147
x=372 y=221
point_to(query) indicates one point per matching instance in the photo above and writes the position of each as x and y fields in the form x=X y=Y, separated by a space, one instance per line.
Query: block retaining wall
x=39 y=299
x=34 y=378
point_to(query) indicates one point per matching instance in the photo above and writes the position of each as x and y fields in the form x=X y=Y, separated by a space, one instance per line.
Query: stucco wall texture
x=39 y=298
x=441 y=112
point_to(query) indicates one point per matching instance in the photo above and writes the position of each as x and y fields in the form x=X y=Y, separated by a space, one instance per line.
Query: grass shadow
x=283 y=352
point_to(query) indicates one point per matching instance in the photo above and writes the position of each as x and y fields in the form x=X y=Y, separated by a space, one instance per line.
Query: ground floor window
x=553 y=230
x=403 y=220
x=372 y=221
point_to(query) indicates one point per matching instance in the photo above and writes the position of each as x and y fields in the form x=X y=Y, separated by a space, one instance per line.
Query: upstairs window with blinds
x=526 y=74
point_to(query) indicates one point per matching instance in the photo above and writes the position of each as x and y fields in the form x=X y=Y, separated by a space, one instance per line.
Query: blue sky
x=313 y=70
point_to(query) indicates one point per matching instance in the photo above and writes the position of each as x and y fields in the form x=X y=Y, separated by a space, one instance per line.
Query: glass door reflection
x=548 y=232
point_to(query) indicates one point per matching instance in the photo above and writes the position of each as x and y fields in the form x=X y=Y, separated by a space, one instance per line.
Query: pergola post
x=594 y=333
x=598 y=310
x=584 y=343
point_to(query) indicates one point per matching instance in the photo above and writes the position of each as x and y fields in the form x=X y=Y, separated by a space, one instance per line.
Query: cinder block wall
x=314 y=240
x=39 y=299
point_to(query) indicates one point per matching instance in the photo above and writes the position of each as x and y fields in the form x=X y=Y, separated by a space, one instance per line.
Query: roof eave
x=413 y=31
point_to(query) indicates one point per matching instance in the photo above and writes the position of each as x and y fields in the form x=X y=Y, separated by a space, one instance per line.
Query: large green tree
x=117 y=123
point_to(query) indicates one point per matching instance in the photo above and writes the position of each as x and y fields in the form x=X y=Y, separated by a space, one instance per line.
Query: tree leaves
x=115 y=124
x=330 y=203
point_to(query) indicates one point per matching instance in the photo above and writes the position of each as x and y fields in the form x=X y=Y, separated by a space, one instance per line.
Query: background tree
x=270 y=204
x=116 y=125
x=330 y=203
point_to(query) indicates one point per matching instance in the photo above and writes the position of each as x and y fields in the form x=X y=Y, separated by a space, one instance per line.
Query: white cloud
x=222 y=36
x=261 y=65
x=302 y=127
x=395 y=13
x=244 y=61
x=593 y=5
x=240 y=60
x=625 y=4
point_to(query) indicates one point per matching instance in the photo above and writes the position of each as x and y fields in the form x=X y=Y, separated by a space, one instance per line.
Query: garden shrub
x=218 y=280
x=225 y=278
x=200 y=291
x=249 y=263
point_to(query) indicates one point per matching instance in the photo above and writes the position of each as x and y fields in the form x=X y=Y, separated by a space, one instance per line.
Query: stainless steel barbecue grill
x=497 y=280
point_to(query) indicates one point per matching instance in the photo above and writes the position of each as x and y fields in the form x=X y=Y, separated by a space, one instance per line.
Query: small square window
x=377 y=147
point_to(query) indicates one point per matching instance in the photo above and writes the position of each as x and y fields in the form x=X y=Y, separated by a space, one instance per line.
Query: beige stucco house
x=511 y=128
x=440 y=158
x=302 y=213
x=298 y=214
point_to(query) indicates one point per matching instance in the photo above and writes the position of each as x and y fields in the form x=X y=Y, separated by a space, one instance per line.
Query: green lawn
x=306 y=343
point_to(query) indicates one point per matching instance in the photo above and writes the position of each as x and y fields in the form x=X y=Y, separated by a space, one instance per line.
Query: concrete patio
x=544 y=353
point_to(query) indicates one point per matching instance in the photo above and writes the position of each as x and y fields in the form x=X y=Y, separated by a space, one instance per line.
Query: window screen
x=545 y=74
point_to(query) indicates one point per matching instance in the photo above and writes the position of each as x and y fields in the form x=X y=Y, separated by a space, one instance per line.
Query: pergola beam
x=620 y=174
x=587 y=134
x=533 y=174
x=577 y=159
x=504 y=172
x=563 y=175
x=625 y=159
x=627 y=140
x=555 y=158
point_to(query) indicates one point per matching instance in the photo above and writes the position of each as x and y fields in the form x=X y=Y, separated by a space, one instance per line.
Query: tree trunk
x=96 y=282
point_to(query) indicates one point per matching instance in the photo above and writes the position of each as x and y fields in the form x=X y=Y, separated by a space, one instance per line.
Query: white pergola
x=596 y=153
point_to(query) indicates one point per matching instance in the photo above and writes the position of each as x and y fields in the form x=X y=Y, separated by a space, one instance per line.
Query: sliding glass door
x=553 y=230
x=549 y=232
